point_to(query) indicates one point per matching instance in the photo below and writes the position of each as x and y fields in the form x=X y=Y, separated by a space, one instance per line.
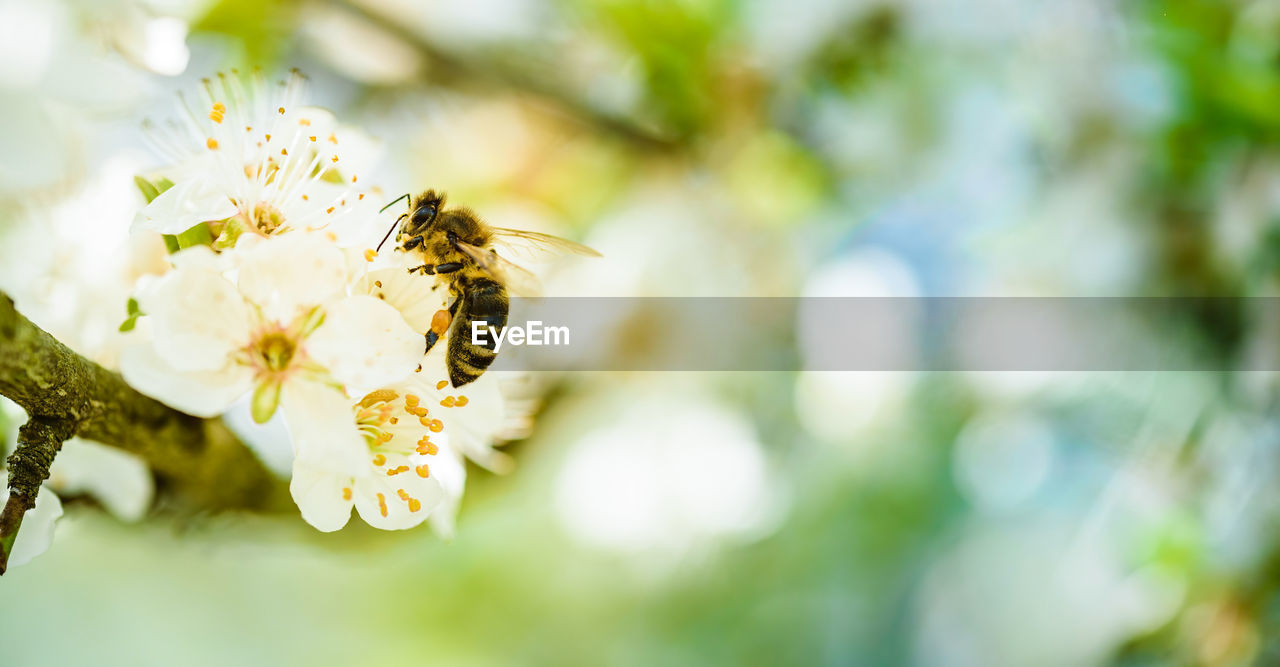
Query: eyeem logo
x=533 y=333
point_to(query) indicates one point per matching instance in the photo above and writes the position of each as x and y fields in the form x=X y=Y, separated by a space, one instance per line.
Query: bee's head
x=425 y=209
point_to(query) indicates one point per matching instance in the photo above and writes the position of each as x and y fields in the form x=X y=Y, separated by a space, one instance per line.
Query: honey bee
x=460 y=248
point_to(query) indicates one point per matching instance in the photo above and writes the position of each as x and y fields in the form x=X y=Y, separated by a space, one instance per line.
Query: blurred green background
x=726 y=148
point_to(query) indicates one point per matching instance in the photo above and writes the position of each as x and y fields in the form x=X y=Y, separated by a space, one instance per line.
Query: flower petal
x=474 y=426
x=36 y=533
x=413 y=296
x=449 y=469
x=378 y=500
x=365 y=344
x=321 y=496
x=198 y=319
x=289 y=275
x=199 y=393
x=323 y=425
x=117 y=479
x=183 y=206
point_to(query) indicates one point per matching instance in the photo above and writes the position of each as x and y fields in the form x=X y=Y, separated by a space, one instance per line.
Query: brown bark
x=196 y=461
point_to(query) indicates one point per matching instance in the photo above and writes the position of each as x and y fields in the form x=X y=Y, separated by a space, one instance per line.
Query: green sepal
x=152 y=190
x=232 y=228
x=266 y=398
x=198 y=234
x=134 y=313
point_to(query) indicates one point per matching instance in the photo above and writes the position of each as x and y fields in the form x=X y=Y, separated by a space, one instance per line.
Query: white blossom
x=284 y=329
x=409 y=469
x=482 y=416
x=252 y=159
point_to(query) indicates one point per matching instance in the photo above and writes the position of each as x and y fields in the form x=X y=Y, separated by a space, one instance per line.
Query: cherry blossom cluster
x=274 y=299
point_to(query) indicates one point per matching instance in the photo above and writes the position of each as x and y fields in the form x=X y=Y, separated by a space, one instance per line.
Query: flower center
x=274 y=351
x=383 y=414
x=373 y=413
x=267 y=218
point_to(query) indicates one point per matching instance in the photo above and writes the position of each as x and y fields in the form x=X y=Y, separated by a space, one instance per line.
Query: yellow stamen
x=441 y=384
x=462 y=400
x=379 y=460
x=369 y=253
x=414 y=504
x=346 y=494
x=423 y=471
x=397 y=470
x=447 y=402
x=436 y=426
x=382 y=505
x=410 y=400
x=211 y=143
x=381 y=395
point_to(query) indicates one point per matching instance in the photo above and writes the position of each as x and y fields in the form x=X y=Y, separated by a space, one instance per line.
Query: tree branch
x=197 y=461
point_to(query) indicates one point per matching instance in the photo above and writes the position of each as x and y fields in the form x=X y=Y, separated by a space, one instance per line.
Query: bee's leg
x=425 y=269
x=413 y=243
x=440 y=323
x=449 y=267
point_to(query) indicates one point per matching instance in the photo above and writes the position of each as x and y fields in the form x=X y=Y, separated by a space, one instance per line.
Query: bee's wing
x=536 y=247
x=517 y=280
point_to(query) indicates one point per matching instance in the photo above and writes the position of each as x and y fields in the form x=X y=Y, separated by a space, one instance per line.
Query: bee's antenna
x=393 y=228
x=393 y=203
